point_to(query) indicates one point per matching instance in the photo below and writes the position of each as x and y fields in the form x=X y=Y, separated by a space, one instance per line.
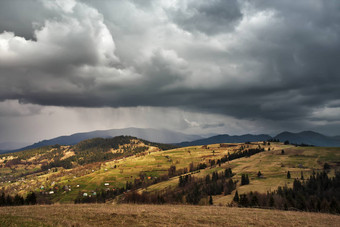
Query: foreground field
x=157 y=215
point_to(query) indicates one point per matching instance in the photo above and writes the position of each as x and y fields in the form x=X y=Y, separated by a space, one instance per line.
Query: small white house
x=78 y=185
x=84 y=194
x=51 y=192
x=107 y=184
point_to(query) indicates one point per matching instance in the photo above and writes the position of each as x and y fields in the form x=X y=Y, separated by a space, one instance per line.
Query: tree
x=172 y=171
x=9 y=200
x=254 y=200
x=2 y=199
x=259 y=174
x=286 y=142
x=244 y=179
x=326 y=166
x=236 y=197
x=18 y=200
x=271 y=201
x=244 y=200
x=288 y=175
x=31 y=199
x=211 y=200
x=302 y=178
x=283 y=152
x=228 y=173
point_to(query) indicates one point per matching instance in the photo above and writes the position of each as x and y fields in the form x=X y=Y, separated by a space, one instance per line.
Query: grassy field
x=157 y=215
x=274 y=167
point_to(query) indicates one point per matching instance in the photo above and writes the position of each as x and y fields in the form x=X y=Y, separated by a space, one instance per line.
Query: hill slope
x=105 y=164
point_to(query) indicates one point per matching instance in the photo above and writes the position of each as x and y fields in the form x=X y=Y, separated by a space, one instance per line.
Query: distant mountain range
x=153 y=135
x=310 y=138
x=227 y=139
x=6 y=146
x=171 y=137
x=305 y=137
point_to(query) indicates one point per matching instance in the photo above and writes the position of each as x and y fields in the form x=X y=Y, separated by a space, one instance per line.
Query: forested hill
x=85 y=152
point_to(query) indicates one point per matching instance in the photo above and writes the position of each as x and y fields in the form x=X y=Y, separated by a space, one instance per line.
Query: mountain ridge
x=181 y=139
x=225 y=138
x=303 y=137
x=153 y=135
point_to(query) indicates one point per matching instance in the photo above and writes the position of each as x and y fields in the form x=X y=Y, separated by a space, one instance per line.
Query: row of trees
x=319 y=193
x=17 y=200
x=240 y=154
x=190 y=190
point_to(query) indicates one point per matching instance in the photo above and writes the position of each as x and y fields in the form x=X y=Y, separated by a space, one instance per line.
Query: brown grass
x=157 y=215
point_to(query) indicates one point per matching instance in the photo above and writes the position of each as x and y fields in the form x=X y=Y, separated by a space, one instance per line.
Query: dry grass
x=157 y=215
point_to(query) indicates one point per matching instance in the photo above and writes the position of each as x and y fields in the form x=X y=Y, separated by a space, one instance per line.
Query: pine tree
x=244 y=200
x=31 y=199
x=302 y=178
x=236 y=197
x=288 y=175
x=271 y=201
x=211 y=200
x=254 y=201
x=2 y=199
x=282 y=152
x=259 y=174
x=243 y=179
x=9 y=200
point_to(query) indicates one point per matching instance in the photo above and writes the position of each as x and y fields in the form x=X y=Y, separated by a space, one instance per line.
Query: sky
x=194 y=66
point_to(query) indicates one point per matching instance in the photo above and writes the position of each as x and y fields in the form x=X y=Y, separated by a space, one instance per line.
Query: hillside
x=88 y=154
x=156 y=215
x=107 y=168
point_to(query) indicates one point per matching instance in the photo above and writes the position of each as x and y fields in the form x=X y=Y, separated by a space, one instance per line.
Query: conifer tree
x=236 y=197
x=288 y=175
x=259 y=174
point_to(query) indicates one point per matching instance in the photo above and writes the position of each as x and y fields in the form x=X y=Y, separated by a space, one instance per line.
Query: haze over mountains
x=153 y=135
x=181 y=139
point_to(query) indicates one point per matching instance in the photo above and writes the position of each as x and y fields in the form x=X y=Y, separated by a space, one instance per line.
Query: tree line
x=319 y=193
x=190 y=190
x=17 y=200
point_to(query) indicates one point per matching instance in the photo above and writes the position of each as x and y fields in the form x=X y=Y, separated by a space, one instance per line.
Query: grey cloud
x=21 y=17
x=210 y=17
x=275 y=61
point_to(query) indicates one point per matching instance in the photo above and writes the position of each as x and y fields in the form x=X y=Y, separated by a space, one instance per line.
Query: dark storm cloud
x=216 y=16
x=275 y=60
x=21 y=17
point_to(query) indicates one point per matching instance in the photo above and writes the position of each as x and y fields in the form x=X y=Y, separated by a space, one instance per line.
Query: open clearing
x=157 y=215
